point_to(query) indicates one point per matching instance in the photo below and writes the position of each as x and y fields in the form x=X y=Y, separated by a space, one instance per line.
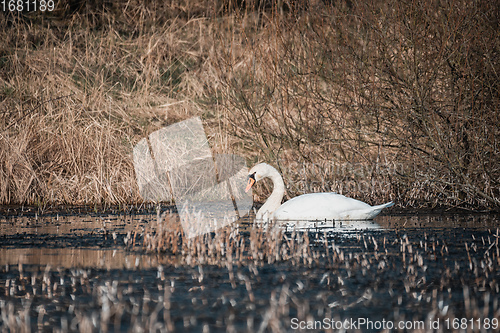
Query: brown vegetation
x=384 y=100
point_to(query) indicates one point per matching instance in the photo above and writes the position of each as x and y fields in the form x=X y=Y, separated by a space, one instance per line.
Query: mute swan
x=313 y=206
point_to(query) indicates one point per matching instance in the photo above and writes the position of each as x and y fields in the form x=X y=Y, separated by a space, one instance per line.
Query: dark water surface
x=90 y=273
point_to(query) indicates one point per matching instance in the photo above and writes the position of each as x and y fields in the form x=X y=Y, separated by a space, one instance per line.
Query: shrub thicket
x=380 y=100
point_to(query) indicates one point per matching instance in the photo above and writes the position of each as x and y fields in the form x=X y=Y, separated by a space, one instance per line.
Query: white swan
x=308 y=207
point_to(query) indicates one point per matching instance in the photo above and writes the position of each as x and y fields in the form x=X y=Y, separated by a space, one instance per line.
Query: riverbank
x=326 y=92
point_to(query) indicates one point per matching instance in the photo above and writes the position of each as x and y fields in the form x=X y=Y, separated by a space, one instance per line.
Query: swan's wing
x=318 y=206
x=364 y=214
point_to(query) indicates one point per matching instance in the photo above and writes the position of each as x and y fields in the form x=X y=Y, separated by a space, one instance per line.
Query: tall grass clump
x=380 y=100
x=79 y=87
x=405 y=92
x=233 y=244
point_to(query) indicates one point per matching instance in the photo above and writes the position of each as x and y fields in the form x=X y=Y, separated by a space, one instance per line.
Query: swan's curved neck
x=274 y=200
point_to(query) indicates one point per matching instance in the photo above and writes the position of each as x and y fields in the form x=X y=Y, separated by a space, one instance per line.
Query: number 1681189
x=27 y=5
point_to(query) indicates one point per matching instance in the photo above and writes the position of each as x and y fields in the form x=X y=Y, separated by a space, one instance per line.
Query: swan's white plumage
x=317 y=206
x=313 y=206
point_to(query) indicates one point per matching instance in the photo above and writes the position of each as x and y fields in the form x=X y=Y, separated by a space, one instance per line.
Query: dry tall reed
x=401 y=97
x=407 y=90
x=78 y=89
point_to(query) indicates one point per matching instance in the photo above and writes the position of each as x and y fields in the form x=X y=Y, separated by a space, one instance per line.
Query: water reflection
x=425 y=221
x=392 y=222
x=72 y=225
x=100 y=241
x=81 y=258
x=443 y=265
x=331 y=226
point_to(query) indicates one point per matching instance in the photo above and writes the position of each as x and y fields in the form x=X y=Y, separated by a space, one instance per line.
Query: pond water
x=93 y=272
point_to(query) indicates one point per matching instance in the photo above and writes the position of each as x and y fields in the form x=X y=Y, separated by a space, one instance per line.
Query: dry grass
x=232 y=245
x=77 y=94
x=394 y=87
x=401 y=98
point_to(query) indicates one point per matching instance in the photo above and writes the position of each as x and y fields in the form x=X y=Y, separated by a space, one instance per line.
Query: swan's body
x=308 y=207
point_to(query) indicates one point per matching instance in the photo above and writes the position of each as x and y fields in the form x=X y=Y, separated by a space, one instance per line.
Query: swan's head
x=258 y=172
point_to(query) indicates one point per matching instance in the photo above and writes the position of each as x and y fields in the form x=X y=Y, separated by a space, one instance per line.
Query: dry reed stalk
x=376 y=84
x=123 y=80
x=396 y=88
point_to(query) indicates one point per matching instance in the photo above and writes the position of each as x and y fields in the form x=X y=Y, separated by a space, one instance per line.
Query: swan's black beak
x=251 y=181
